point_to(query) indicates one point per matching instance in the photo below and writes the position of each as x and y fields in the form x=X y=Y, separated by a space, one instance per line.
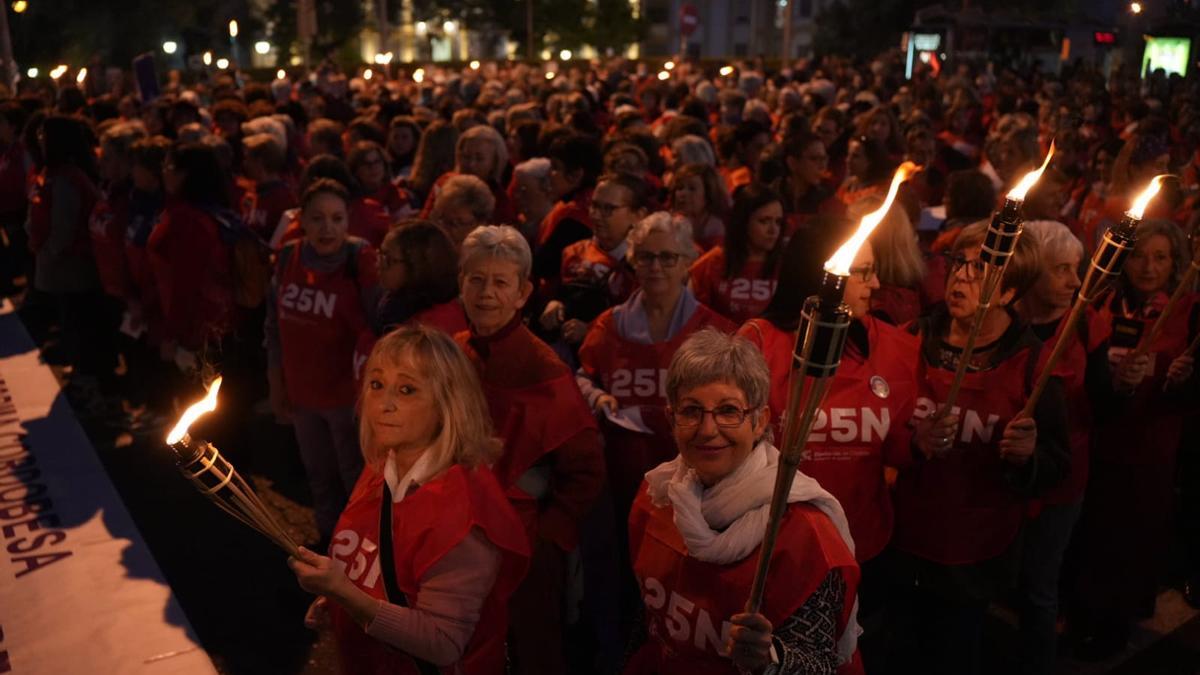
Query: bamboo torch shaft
x=964 y=361
x=1185 y=283
x=1060 y=348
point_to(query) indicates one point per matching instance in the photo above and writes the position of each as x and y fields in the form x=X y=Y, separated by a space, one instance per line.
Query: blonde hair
x=898 y=257
x=464 y=433
x=1024 y=266
x=488 y=134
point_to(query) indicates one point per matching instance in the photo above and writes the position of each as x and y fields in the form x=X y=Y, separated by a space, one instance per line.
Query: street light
x=81 y=76
x=449 y=27
x=207 y=58
x=669 y=65
x=233 y=28
x=550 y=75
x=419 y=75
x=222 y=63
x=58 y=71
x=281 y=74
x=664 y=75
x=262 y=47
x=422 y=28
x=565 y=55
x=1135 y=7
x=31 y=73
x=170 y=46
x=20 y=6
x=474 y=65
x=368 y=74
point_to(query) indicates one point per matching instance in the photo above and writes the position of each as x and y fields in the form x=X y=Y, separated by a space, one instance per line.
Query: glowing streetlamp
x=222 y=63
x=262 y=47
x=664 y=75
x=418 y=75
x=368 y=74
x=170 y=47
x=474 y=65
x=1135 y=7
x=81 y=76
x=207 y=58
x=669 y=65
x=31 y=73
x=726 y=71
x=449 y=27
x=233 y=28
x=422 y=28
x=20 y=6
x=281 y=74
x=565 y=55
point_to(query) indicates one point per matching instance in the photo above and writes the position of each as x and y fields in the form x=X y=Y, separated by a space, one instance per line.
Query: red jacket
x=262 y=205
x=426 y=525
x=689 y=602
x=191 y=266
x=862 y=425
x=107 y=226
x=320 y=317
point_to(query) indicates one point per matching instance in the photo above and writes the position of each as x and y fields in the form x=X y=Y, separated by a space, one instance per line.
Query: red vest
x=107 y=225
x=320 y=318
x=426 y=525
x=576 y=209
x=738 y=299
x=689 y=602
x=263 y=204
x=958 y=509
x=448 y=317
x=368 y=220
x=861 y=427
x=636 y=375
x=533 y=418
x=1148 y=428
x=192 y=269
x=1073 y=367
x=586 y=263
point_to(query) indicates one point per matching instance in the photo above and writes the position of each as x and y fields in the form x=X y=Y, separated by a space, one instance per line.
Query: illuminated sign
x=1168 y=53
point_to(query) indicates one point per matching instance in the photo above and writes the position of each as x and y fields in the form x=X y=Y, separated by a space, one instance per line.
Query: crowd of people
x=533 y=333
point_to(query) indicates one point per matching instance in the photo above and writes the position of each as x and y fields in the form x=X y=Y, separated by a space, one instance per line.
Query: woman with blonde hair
x=481 y=152
x=899 y=264
x=428 y=550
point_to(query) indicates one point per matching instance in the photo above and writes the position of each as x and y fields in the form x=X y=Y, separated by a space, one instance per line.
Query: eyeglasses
x=726 y=416
x=974 y=267
x=646 y=259
x=865 y=272
x=604 y=209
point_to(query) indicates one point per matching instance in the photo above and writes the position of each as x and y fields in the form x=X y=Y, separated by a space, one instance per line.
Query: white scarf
x=725 y=523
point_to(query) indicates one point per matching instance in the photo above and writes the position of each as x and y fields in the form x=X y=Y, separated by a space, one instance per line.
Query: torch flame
x=1143 y=200
x=193 y=413
x=1031 y=178
x=840 y=263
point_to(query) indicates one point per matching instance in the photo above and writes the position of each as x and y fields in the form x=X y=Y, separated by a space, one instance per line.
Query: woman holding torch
x=698 y=523
x=960 y=505
x=1124 y=532
x=428 y=550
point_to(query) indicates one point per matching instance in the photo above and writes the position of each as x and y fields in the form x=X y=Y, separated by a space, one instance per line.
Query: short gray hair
x=496 y=241
x=468 y=190
x=1053 y=236
x=692 y=149
x=712 y=356
x=679 y=227
x=537 y=168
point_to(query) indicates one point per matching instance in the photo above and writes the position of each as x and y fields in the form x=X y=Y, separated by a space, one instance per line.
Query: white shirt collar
x=417 y=474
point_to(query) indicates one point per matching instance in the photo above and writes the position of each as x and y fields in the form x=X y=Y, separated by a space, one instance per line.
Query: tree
x=338 y=25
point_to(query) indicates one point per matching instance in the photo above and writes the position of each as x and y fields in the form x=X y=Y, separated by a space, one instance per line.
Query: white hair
x=496 y=241
x=692 y=149
x=537 y=168
x=469 y=191
x=267 y=125
x=679 y=227
x=1053 y=236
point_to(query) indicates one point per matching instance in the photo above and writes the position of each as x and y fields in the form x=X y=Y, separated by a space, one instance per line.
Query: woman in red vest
x=804 y=189
x=1124 y=532
x=861 y=434
x=552 y=466
x=480 y=152
x=575 y=165
x=738 y=278
x=698 y=522
x=321 y=299
x=961 y=504
x=624 y=358
x=696 y=192
x=419 y=279
x=190 y=253
x=903 y=294
x=369 y=165
x=368 y=219
x=428 y=550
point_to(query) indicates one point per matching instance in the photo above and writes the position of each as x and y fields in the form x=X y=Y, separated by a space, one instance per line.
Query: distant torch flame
x=201 y=407
x=1143 y=200
x=840 y=263
x=1018 y=193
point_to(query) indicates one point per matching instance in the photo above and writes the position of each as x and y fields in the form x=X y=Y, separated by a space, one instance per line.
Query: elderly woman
x=1088 y=382
x=428 y=550
x=1124 y=531
x=552 y=466
x=697 y=193
x=698 y=522
x=480 y=152
x=624 y=357
x=463 y=203
x=321 y=299
x=533 y=194
x=960 y=506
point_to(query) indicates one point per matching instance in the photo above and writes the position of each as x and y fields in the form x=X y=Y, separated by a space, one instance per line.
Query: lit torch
x=215 y=478
x=1106 y=265
x=820 y=339
x=998 y=247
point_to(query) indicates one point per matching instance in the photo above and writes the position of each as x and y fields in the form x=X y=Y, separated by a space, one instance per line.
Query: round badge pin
x=880 y=387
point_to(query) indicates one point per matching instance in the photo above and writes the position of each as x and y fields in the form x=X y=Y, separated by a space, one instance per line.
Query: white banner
x=79 y=590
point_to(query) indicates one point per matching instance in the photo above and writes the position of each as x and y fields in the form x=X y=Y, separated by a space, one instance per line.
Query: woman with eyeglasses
x=805 y=188
x=698 y=522
x=961 y=504
x=552 y=467
x=738 y=277
x=418 y=277
x=321 y=299
x=369 y=165
x=624 y=358
x=903 y=293
x=862 y=433
x=1124 y=533
x=595 y=273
